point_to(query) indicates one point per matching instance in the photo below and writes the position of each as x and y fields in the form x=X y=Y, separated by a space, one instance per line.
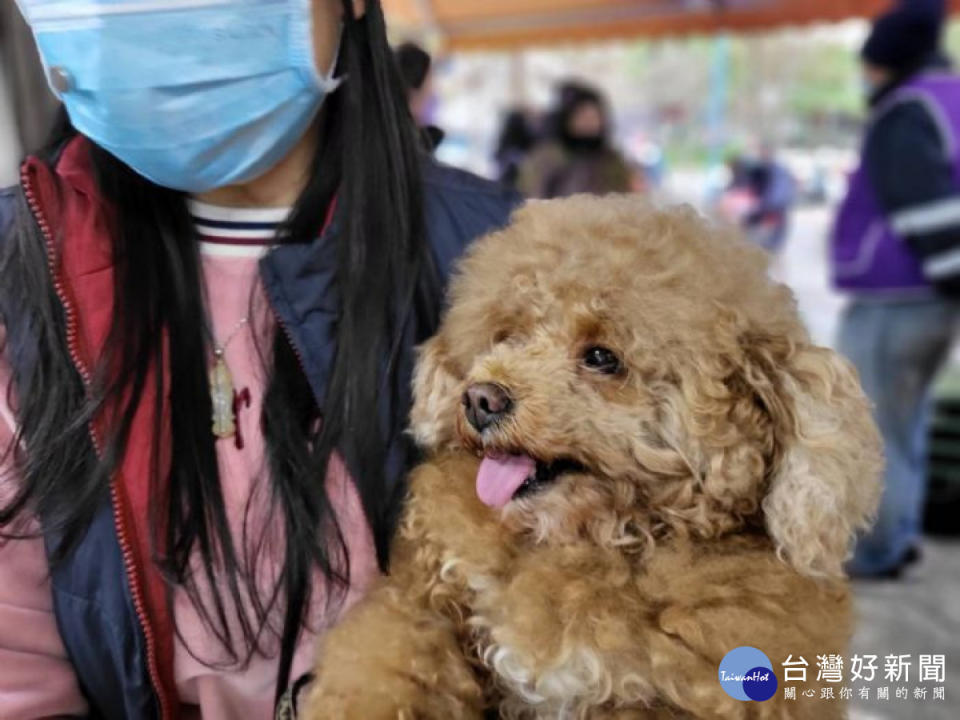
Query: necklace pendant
x=221 y=395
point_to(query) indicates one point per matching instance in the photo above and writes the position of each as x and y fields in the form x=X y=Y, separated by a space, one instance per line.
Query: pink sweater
x=36 y=679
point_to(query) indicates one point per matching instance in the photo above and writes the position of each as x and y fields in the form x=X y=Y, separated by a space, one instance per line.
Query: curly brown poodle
x=638 y=462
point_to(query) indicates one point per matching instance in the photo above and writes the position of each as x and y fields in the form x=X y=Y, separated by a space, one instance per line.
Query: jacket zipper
x=327 y=223
x=123 y=539
x=289 y=336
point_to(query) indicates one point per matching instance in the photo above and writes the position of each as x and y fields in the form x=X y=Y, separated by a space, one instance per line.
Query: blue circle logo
x=746 y=674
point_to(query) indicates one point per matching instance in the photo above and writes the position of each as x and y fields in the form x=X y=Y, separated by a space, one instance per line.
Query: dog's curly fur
x=729 y=464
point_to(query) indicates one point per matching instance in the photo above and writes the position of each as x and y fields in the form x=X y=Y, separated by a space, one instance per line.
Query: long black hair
x=368 y=157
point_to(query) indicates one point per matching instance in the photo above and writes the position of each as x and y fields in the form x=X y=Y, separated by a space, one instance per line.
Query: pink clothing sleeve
x=36 y=678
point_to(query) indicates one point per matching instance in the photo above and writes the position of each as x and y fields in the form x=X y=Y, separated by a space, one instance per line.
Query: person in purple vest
x=896 y=252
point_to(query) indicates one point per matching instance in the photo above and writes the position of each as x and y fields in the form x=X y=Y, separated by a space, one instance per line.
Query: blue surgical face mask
x=192 y=94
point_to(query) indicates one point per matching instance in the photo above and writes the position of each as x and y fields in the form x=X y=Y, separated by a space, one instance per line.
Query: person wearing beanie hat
x=896 y=253
x=904 y=39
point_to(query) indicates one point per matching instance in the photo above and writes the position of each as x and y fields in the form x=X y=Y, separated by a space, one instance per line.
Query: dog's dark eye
x=602 y=360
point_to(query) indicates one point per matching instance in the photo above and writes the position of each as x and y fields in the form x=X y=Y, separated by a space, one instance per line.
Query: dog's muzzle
x=486 y=404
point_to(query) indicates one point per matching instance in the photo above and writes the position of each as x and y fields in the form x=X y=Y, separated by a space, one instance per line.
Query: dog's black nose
x=486 y=404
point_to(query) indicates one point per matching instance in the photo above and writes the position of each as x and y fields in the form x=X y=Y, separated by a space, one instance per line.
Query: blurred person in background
x=207 y=332
x=737 y=199
x=768 y=222
x=33 y=106
x=415 y=68
x=577 y=156
x=517 y=137
x=758 y=198
x=896 y=253
x=10 y=152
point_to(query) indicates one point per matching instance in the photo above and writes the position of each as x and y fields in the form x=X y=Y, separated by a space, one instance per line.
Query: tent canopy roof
x=500 y=24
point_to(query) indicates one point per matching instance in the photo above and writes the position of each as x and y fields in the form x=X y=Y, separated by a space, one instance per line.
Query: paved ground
x=9 y=146
x=921 y=612
x=803 y=266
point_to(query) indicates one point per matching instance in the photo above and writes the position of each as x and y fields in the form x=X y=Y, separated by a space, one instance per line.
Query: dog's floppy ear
x=436 y=396
x=824 y=485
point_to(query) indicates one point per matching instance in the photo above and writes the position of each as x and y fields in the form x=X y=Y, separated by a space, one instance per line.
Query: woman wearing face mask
x=211 y=285
x=578 y=156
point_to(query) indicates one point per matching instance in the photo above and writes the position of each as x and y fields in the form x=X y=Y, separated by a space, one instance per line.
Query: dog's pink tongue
x=499 y=477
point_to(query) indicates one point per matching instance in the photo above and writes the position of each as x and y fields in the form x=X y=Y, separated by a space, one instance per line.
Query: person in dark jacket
x=415 y=64
x=759 y=197
x=578 y=155
x=768 y=223
x=516 y=139
x=207 y=333
x=896 y=253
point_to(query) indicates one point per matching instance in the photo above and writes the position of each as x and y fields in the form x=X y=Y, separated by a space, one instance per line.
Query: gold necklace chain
x=219 y=350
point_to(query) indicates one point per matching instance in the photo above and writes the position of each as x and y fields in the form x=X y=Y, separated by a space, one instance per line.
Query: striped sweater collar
x=236 y=232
